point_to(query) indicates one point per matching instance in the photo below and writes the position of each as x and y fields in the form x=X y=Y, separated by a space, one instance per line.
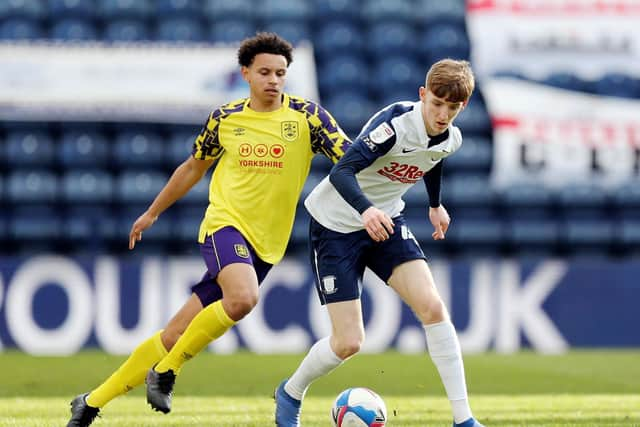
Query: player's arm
x=206 y=149
x=327 y=137
x=343 y=177
x=182 y=180
x=438 y=215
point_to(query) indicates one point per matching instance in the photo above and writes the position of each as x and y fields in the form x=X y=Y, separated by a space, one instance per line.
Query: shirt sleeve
x=361 y=155
x=327 y=137
x=433 y=181
x=207 y=144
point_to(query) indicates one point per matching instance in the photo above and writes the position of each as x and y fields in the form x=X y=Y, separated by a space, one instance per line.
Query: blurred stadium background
x=100 y=100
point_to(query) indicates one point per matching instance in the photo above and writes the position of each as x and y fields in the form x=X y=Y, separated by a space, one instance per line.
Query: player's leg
x=400 y=262
x=337 y=262
x=347 y=336
x=238 y=271
x=131 y=373
x=239 y=285
x=414 y=283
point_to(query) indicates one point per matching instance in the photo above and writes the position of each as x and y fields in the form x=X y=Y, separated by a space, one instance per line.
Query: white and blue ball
x=359 y=407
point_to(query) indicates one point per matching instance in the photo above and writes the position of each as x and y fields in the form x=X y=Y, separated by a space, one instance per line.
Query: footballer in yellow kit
x=264 y=160
x=263 y=146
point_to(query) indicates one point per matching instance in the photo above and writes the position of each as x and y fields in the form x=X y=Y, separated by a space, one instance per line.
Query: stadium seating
x=294 y=31
x=475 y=156
x=443 y=41
x=231 y=31
x=39 y=223
x=20 y=29
x=377 y=11
x=178 y=147
x=338 y=9
x=180 y=29
x=186 y=224
x=198 y=196
x=391 y=37
x=79 y=148
x=138 y=186
x=533 y=237
x=126 y=30
x=626 y=200
x=436 y=11
x=178 y=8
x=84 y=9
x=477 y=237
x=583 y=200
x=344 y=72
x=29 y=9
x=114 y=9
x=36 y=186
x=87 y=183
x=138 y=148
x=337 y=37
x=73 y=29
x=474 y=119
x=292 y=10
x=28 y=148
x=83 y=186
x=397 y=76
x=222 y=10
x=527 y=200
x=351 y=109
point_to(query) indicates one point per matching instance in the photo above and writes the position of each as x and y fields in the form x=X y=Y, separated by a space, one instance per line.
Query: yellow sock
x=208 y=325
x=130 y=374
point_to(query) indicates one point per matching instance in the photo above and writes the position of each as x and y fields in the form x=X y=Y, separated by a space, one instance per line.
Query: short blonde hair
x=451 y=79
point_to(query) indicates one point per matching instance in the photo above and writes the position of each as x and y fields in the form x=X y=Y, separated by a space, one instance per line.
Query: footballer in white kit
x=392 y=153
x=357 y=222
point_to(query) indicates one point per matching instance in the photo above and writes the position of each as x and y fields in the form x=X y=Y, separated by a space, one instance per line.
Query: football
x=359 y=407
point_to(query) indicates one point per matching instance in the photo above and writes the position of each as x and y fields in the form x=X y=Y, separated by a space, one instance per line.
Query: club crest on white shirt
x=382 y=133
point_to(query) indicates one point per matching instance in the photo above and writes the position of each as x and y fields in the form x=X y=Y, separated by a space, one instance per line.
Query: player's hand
x=145 y=221
x=377 y=223
x=440 y=220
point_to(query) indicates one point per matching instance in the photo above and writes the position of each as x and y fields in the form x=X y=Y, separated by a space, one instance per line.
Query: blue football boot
x=287 y=408
x=471 y=422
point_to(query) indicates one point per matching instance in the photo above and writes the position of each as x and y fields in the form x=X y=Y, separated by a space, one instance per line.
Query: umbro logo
x=407 y=150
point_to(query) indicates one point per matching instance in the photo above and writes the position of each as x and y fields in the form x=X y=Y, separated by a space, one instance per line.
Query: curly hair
x=264 y=42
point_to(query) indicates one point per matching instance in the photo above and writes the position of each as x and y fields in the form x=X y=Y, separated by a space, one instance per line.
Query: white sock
x=444 y=350
x=318 y=362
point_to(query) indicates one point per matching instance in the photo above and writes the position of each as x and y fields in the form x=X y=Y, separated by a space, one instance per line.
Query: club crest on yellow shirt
x=241 y=250
x=290 y=130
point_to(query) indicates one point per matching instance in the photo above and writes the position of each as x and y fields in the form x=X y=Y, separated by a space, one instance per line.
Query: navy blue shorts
x=225 y=246
x=339 y=259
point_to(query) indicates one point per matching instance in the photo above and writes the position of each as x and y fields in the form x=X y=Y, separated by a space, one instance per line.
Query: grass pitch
x=577 y=389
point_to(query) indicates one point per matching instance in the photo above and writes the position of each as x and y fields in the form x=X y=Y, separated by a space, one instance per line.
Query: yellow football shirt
x=263 y=161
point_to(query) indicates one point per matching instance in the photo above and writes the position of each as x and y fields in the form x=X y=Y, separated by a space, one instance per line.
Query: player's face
x=266 y=77
x=438 y=113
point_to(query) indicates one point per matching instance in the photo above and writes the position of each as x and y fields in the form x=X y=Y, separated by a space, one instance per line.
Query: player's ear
x=422 y=92
x=245 y=73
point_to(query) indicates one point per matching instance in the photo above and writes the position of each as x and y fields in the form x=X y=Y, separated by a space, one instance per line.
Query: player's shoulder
x=303 y=105
x=389 y=118
x=391 y=113
x=229 y=108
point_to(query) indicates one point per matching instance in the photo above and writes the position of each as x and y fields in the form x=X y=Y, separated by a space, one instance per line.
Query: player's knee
x=347 y=347
x=241 y=305
x=433 y=311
